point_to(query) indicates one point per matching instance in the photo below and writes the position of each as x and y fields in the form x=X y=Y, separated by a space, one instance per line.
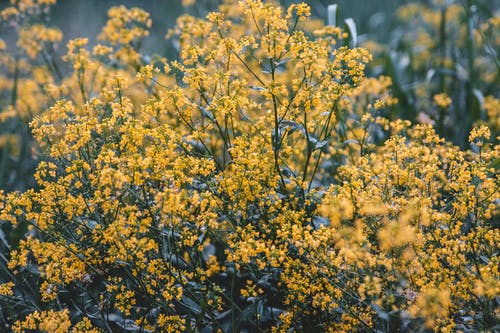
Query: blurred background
x=77 y=18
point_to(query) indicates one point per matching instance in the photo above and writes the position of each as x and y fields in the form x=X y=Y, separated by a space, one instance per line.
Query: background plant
x=444 y=65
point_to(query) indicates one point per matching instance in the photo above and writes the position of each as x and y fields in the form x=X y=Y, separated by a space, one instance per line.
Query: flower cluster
x=256 y=183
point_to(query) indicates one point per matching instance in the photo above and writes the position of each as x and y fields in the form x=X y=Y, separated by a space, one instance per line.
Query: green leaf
x=479 y=97
x=353 y=33
x=495 y=164
x=4 y=239
x=333 y=15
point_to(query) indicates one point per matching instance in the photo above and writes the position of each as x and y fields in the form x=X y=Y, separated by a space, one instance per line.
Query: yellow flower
x=442 y=100
x=432 y=304
x=187 y=3
x=6 y=289
x=479 y=135
x=45 y=321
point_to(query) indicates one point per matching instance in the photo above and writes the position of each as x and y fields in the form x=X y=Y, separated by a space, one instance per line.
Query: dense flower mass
x=258 y=183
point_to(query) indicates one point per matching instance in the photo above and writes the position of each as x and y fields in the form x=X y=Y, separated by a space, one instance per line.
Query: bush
x=251 y=185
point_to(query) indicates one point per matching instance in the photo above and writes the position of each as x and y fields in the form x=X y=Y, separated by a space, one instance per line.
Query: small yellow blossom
x=442 y=100
x=6 y=289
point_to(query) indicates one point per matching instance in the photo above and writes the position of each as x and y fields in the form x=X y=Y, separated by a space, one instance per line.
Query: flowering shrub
x=250 y=185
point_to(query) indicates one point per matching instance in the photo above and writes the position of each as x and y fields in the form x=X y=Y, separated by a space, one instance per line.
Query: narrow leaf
x=207 y=113
x=351 y=27
x=320 y=144
x=4 y=239
x=495 y=164
x=332 y=15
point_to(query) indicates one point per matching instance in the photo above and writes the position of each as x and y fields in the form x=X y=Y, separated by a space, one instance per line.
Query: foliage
x=443 y=59
x=257 y=183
